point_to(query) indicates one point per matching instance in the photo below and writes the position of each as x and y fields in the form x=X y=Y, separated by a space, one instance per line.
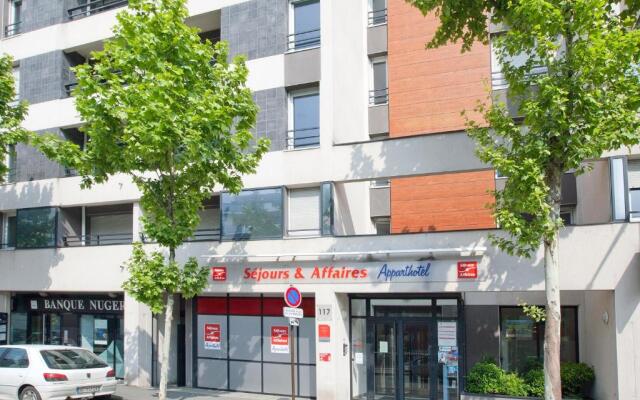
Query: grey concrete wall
x=379 y=120
x=37 y=14
x=31 y=165
x=380 y=201
x=41 y=77
x=594 y=194
x=302 y=67
x=256 y=28
x=272 y=117
x=482 y=333
x=377 y=40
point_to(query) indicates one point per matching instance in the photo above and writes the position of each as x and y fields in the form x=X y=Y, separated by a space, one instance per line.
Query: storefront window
x=252 y=214
x=522 y=339
x=36 y=227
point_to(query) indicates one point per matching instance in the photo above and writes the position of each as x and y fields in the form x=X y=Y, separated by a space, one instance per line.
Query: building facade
x=371 y=202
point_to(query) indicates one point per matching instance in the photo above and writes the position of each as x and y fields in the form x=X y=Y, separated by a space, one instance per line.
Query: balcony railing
x=377 y=17
x=499 y=82
x=12 y=29
x=97 y=239
x=378 y=96
x=200 y=235
x=94 y=7
x=300 y=138
x=68 y=88
x=303 y=40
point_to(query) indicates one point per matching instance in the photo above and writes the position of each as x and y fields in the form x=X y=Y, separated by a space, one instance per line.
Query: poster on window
x=101 y=332
x=212 y=337
x=280 y=339
x=519 y=329
x=447 y=333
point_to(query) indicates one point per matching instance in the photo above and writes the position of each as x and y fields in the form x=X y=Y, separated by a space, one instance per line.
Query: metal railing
x=97 y=240
x=304 y=40
x=378 y=96
x=299 y=138
x=94 y=7
x=68 y=88
x=12 y=29
x=499 y=82
x=205 y=235
x=377 y=17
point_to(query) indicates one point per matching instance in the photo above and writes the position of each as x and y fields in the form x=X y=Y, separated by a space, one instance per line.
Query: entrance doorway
x=405 y=349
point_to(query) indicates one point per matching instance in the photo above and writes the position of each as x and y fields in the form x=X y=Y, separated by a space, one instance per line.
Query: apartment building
x=371 y=202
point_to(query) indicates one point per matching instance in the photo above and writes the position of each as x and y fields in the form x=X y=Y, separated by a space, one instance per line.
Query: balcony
x=97 y=239
x=12 y=29
x=303 y=40
x=301 y=138
x=94 y=7
x=103 y=225
x=377 y=17
x=378 y=96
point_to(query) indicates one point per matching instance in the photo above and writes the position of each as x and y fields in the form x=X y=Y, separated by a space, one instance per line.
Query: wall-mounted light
x=605 y=318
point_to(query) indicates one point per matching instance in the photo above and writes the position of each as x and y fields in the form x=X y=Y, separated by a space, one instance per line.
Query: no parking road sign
x=293 y=297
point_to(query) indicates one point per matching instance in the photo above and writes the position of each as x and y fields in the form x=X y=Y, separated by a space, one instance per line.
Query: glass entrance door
x=403 y=359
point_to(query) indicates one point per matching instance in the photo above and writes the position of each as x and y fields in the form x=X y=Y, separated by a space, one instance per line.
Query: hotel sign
x=366 y=272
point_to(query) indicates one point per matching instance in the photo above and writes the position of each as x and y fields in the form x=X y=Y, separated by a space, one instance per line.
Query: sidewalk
x=124 y=392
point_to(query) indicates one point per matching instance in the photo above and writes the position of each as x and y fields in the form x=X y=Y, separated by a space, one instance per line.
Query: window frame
x=5 y=230
x=56 y=226
x=371 y=17
x=625 y=189
x=318 y=232
x=283 y=200
x=291 y=131
x=292 y=45
x=373 y=92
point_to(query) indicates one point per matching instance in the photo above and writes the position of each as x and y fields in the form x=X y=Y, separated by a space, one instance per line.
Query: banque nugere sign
x=78 y=305
x=366 y=272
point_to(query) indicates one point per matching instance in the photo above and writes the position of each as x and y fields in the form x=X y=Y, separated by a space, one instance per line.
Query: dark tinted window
x=13 y=358
x=36 y=227
x=306 y=24
x=71 y=359
x=253 y=214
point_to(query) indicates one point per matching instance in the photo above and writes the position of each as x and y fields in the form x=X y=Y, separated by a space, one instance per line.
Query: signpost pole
x=292 y=340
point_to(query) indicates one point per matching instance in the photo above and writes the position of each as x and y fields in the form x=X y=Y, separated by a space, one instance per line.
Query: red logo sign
x=324 y=332
x=212 y=336
x=293 y=297
x=219 y=273
x=280 y=339
x=467 y=269
x=326 y=357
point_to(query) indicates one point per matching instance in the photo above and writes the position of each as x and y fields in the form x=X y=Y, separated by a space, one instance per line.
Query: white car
x=35 y=372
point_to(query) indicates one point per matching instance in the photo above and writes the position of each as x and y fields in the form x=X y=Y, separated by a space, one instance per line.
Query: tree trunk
x=552 y=382
x=166 y=339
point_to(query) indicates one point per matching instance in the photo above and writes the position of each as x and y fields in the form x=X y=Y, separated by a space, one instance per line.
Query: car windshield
x=71 y=359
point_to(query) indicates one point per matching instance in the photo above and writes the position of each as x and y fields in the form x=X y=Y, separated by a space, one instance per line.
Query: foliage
x=535 y=382
x=488 y=378
x=151 y=278
x=12 y=113
x=536 y=313
x=576 y=378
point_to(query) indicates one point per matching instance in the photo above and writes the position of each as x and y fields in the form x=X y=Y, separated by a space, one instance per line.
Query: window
x=378 y=12
x=383 y=225
x=618 y=188
x=498 y=80
x=209 y=227
x=304 y=24
x=9 y=233
x=16 y=80
x=566 y=214
x=11 y=357
x=633 y=168
x=12 y=162
x=14 y=18
x=304 y=118
x=379 y=93
x=71 y=359
x=252 y=214
x=327 y=208
x=36 y=227
x=522 y=339
x=304 y=212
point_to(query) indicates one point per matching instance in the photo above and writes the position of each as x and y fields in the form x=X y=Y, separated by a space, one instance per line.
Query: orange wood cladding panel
x=428 y=89
x=444 y=202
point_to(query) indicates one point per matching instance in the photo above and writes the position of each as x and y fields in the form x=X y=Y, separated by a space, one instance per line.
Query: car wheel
x=30 y=393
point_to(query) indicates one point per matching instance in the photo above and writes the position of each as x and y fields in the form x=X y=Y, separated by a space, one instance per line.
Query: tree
x=173 y=114
x=12 y=114
x=578 y=95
